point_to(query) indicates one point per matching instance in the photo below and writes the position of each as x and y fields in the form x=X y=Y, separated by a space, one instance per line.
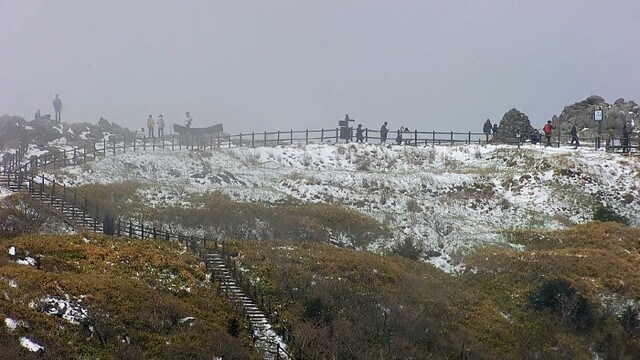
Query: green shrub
x=561 y=298
x=605 y=213
x=409 y=248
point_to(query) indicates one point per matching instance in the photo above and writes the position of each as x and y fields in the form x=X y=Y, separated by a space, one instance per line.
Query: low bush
x=139 y=300
x=21 y=214
x=559 y=296
x=409 y=248
x=605 y=213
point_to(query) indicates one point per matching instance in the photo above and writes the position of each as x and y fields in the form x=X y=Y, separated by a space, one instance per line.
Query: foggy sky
x=295 y=64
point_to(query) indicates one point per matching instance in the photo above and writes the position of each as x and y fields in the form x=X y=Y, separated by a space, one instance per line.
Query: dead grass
x=135 y=294
x=335 y=295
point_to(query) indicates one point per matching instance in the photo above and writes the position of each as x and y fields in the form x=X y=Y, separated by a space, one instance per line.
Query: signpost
x=598 y=116
x=346 y=131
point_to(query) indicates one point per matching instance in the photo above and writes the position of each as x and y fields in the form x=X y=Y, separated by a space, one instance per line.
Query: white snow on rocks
x=71 y=310
x=25 y=342
x=449 y=198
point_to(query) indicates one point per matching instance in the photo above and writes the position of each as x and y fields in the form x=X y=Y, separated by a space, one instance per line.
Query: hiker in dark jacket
x=626 y=131
x=384 y=131
x=494 y=131
x=535 y=136
x=574 y=136
x=487 y=129
x=359 y=133
x=57 y=106
x=399 y=137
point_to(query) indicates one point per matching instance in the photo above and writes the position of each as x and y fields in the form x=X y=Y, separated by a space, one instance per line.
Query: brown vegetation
x=137 y=298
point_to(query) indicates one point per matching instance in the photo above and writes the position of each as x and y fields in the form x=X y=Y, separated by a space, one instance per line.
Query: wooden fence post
x=265 y=138
x=278 y=141
x=306 y=137
x=322 y=135
x=291 y=136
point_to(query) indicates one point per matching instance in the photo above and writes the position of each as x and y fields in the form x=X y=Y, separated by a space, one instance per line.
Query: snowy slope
x=451 y=198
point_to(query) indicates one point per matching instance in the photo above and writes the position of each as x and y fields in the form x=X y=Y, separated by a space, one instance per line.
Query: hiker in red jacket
x=547 y=132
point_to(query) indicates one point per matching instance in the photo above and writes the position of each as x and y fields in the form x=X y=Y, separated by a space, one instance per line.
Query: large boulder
x=582 y=114
x=512 y=123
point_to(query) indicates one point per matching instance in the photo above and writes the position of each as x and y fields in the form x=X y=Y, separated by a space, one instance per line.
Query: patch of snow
x=11 y=324
x=60 y=141
x=13 y=283
x=27 y=261
x=189 y=319
x=30 y=344
x=72 y=311
x=12 y=250
x=4 y=192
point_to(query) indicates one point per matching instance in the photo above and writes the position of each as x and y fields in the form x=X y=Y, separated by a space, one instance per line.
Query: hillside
x=565 y=294
x=367 y=251
x=87 y=296
x=446 y=199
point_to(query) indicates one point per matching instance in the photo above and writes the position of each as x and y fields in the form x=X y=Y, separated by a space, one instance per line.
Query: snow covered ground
x=450 y=198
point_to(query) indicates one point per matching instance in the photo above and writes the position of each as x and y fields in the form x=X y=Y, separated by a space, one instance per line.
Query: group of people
x=489 y=130
x=403 y=132
x=57 y=108
x=152 y=124
x=535 y=137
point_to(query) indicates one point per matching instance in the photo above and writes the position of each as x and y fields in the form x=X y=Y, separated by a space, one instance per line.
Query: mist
x=285 y=64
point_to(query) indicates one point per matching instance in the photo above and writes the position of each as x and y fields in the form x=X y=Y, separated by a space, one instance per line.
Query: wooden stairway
x=266 y=340
x=73 y=215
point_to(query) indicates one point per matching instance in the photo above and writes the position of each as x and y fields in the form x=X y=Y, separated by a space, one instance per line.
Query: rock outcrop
x=582 y=114
x=513 y=122
x=14 y=131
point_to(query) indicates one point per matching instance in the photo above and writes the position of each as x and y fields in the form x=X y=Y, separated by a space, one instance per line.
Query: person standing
x=547 y=129
x=383 y=133
x=160 y=126
x=625 y=138
x=399 y=136
x=574 y=136
x=187 y=120
x=487 y=129
x=150 y=124
x=359 y=133
x=57 y=106
x=494 y=131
